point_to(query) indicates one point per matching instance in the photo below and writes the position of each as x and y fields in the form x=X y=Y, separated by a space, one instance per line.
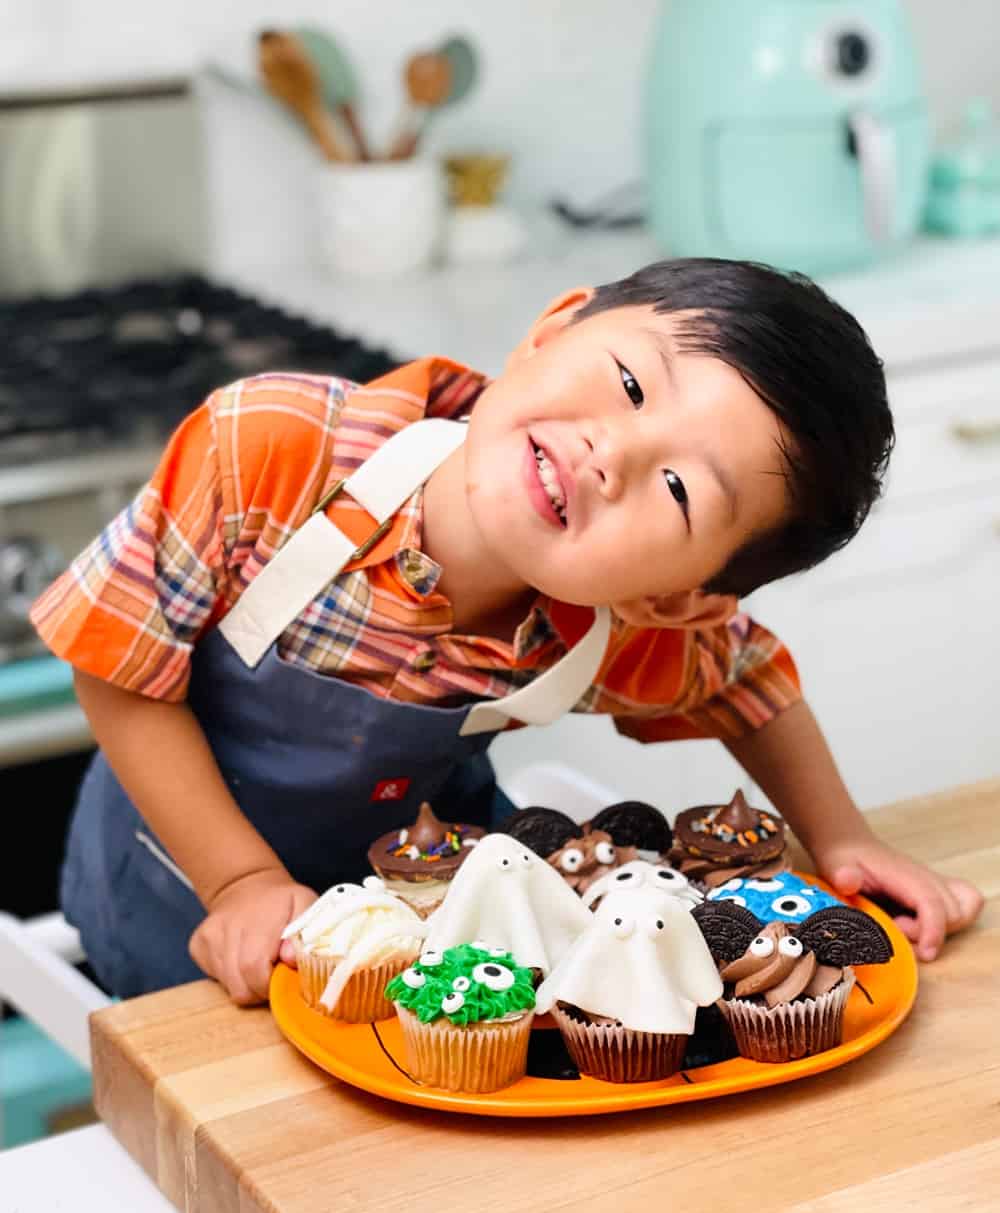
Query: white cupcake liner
x=363 y=999
x=618 y=1054
x=477 y=1058
x=791 y=1030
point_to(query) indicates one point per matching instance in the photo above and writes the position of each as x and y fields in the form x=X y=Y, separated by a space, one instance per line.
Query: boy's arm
x=789 y=758
x=163 y=761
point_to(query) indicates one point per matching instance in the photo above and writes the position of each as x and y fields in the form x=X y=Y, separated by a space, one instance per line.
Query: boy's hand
x=936 y=905
x=238 y=942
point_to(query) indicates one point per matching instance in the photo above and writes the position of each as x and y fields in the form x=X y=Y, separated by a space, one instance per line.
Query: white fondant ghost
x=638 y=874
x=508 y=897
x=643 y=961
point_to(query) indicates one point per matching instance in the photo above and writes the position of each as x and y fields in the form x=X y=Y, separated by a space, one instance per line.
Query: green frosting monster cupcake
x=466 y=985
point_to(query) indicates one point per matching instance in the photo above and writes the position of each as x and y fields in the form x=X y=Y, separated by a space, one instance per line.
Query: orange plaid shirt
x=246 y=469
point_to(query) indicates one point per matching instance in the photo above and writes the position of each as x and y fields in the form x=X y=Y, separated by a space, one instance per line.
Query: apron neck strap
x=318 y=551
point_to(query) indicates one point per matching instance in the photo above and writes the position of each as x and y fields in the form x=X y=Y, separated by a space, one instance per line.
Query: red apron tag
x=390 y=789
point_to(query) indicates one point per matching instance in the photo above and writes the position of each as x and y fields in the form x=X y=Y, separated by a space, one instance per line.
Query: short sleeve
x=132 y=604
x=737 y=677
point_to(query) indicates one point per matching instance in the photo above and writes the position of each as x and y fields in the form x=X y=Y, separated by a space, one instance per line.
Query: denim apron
x=319 y=766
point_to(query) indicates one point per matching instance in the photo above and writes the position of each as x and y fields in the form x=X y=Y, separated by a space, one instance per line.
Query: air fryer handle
x=875 y=147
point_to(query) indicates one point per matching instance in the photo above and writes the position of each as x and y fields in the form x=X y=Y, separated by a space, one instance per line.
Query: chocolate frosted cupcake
x=585 y=853
x=716 y=843
x=466 y=1017
x=787 y=984
x=418 y=862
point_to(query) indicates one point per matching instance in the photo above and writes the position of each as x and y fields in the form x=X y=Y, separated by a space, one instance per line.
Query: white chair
x=37 y=955
x=37 y=977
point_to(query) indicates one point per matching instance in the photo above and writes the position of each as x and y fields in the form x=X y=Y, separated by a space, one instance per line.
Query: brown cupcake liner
x=363 y=999
x=617 y=1054
x=476 y=1059
x=791 y=1030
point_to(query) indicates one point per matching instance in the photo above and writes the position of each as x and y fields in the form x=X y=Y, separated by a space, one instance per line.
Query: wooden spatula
x=291 y=76
x=433 y=79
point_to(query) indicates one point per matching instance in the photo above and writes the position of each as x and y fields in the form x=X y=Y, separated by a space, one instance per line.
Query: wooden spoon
x=338 y=80
x=291 y=76
x=428 y=84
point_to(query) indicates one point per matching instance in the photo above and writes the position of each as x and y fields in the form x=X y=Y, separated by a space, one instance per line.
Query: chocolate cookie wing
x=842 y=935
x=633 y=823
x=541 y=830
x=728 y=929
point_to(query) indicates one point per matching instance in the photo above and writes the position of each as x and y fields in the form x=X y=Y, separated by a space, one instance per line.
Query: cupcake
x=348 y=944
x=626 y=992
x=639 y=874
x=418 y=862
x=716 y=843
x=583 y=854
x=787 y=984
x=466 y=1017
x=786 y=897
x=507 y=896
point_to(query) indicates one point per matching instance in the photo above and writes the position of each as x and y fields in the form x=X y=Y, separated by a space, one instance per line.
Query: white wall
x=561 y=79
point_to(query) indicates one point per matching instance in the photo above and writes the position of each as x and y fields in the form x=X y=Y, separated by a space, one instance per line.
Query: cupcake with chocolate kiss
x=418 y=862
x=716 y=843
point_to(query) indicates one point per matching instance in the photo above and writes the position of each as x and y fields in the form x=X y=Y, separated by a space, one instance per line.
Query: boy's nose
x=609 y=461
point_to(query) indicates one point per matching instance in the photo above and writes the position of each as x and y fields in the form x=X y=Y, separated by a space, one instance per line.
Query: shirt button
x=424 y=662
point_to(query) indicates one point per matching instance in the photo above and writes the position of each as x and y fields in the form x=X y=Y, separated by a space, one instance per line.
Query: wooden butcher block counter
x=227 y=1117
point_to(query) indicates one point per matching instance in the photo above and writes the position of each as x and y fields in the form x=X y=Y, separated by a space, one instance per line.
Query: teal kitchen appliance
x=788 y=131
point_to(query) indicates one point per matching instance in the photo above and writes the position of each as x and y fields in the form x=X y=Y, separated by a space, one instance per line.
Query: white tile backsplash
x=561 y=79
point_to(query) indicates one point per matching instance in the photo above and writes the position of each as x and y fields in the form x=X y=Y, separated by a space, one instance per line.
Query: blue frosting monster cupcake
x=782 y=898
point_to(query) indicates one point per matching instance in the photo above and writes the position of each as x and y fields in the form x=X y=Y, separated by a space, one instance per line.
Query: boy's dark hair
x=812 y=364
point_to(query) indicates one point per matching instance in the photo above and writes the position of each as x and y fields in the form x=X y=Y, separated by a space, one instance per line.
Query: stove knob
x=27 y=566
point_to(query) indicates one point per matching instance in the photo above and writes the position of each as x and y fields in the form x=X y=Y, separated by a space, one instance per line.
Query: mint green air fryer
x=788 y=131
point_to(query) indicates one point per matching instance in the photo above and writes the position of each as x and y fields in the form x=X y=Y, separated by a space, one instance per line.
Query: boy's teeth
x=548 y=477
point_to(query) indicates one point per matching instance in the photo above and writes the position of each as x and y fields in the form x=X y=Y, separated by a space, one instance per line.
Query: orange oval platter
x=371 y=1056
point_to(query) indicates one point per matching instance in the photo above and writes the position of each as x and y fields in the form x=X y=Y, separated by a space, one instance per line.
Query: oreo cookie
x=633 y=823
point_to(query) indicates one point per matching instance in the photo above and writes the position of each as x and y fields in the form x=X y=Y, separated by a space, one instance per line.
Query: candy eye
x=764 y=886
x=654 y=927
x=453 y=1002
x=412 y=978
x=624 y=876
x=605 y=852
x=374 y=884
x=431 y=957
x=504 y=864
x=790 y=946
x=736 y=899
x=461 y=984
x=498 y=951
x=762 y=946
x=571 y=859
x=730 y=886
x=669 y=876
x=791 y=904
x=494 y=977
x=622 y=927
x=527 y=859
x=482 y=945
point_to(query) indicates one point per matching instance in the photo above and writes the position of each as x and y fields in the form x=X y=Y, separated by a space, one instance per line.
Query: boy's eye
x=677 y=489
x=631 y=385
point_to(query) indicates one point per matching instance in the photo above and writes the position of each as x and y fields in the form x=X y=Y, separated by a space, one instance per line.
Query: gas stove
x=92 y=384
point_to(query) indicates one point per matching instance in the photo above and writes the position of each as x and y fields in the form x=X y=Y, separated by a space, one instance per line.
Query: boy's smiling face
x=605 y=466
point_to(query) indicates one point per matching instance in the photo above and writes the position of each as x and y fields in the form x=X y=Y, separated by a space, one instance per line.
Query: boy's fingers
x=848 y=879
x=969 y=901
x=286 y=953
x=932 y=921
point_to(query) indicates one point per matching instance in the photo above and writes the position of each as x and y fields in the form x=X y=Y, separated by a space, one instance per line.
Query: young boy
x=268 y=699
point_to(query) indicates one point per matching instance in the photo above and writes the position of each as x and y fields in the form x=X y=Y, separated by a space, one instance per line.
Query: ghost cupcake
x=349 y=944
x=626 y=992
x=466 y=1017
x=639 y=874
x=579 y=853
x=787 y=983
x=510 y=898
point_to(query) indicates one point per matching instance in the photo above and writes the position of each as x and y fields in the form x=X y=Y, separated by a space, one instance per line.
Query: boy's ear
x=553 y=320
x=686 y=609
